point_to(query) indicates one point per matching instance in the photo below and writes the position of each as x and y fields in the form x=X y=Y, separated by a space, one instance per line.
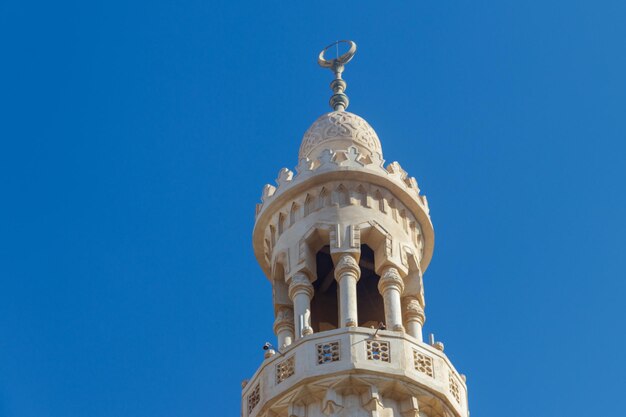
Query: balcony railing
x=340 y=351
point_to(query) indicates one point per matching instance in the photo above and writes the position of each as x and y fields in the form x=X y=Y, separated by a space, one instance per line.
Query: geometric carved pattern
x=253 y=398
x=339 y=125
x=423 y=363
x=454 y=388
x=327 y=352
x=285 y=369
x=378 y=350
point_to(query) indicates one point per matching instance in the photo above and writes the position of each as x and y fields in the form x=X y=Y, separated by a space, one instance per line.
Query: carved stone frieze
x=340 y=126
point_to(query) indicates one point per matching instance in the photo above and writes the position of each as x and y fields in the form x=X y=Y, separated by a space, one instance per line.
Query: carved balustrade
x=381 y=357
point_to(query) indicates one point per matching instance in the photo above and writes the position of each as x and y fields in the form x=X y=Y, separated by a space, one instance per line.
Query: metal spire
x=339 y=101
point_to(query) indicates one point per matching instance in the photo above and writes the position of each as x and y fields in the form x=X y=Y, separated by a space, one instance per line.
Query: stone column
x=301 y=292
x=391 y=286
x=347 y=274
x=283 y=326
x=414 y=317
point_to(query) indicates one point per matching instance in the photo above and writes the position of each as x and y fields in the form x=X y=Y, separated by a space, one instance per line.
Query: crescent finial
x=339 y=101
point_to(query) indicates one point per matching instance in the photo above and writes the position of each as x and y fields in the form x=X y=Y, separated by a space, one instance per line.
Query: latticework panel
x=253 y=398
x=285 y=369
x=327 y=352
x=454 y=388
x=423 y=363
x=378 y=350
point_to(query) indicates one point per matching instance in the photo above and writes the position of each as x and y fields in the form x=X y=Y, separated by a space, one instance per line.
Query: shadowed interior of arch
x=324 y=305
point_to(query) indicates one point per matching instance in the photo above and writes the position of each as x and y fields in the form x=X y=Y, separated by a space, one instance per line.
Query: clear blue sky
x=137 y=136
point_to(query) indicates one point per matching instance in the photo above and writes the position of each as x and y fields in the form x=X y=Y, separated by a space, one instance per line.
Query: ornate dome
x=338 y=130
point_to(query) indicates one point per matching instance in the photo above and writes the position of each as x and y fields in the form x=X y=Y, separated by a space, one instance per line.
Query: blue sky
x=137 y=136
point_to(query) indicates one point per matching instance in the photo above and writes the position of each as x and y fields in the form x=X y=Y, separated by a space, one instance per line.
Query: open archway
x=370 y=303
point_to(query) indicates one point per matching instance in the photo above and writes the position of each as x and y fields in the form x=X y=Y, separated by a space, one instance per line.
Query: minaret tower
x=345 y=241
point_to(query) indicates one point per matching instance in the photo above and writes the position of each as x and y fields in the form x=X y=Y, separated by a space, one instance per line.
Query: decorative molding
x=413 y=310
x=300 y=283
x=332 y=402
x=284 y=318
x=347 y=193
x=347 y=265
x=390 y=278
x=371 y=400
x=350 y=159
x=410 y=407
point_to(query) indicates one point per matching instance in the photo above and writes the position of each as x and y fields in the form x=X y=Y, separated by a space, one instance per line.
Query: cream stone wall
x=352 y=372
x=341 y=197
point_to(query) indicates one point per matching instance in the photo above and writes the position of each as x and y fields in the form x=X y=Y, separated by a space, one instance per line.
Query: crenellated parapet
x=335 y=184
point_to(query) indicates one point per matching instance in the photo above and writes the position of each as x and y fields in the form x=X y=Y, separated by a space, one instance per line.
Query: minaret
x=345 y=241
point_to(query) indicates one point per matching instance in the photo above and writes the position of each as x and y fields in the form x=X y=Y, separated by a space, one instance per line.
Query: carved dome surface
x=338 y=130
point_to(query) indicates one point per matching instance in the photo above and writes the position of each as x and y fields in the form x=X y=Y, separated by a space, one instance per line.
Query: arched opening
x=361 y=196
x=309 y=205
x=281 y=223
x=325 y=302
x=324 y=198
x=293 y=214
x=370 y=305
x=342 y=197
x=281 y=290
x=324 y=305
x=378 y=198
x=414 y=233
x=394 y=209
x=405 y=224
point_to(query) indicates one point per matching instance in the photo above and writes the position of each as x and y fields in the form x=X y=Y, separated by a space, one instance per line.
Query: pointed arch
x=414 y=232
x=404 y=220
x=341 y=196
x=309 y=205
x=393 y=209
x=324 y=200
x=379 y=200
x=282 y=219
x=361 y=195
x=294 y=213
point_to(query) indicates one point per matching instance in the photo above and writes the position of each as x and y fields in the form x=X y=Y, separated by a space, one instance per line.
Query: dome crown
x=338 y=130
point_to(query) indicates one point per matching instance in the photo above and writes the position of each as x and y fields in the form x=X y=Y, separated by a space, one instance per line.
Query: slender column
x=283 y=326
x=391 y=286
x=347 y=274
x=301 y=292
x=414 y=317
